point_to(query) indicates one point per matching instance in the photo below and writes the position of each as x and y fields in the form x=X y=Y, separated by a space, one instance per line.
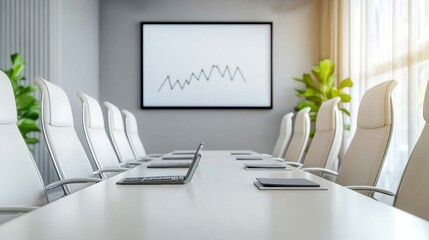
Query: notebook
x=248 y=158
x=265 y=167
x=241 y=153
x=286 y=184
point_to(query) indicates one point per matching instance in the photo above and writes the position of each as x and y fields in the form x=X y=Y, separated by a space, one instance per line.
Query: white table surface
x=221 y=202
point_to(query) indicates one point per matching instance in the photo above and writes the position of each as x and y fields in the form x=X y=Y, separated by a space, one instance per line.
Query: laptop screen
x=194 y=163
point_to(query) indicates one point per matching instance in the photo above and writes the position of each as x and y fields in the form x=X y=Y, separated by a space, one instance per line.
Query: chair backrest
x=117 y=133
x=326 y=143
x=284 y=136
x=413 y=194
x=132 y=131
x=301 y=133
x=66 y=150
x=95 y=134
x=364 y=157
x=20 y=180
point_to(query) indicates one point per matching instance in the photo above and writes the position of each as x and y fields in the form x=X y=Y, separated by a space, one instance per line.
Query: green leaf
x=315 y=99
x=345 y=111
x=300 y=92
x=331 y=80
x=313 y=117
x=24 y=102
x=309 y=81
x=298 y=80
x=324 y=70
x=310 y=92
x=305 y=104
x=312 y=132
x=345 y=97
x=25 y=90
x=345 y=83
x=17 y=59
x=334 y=92
x=31 y=140
x=31 y=113
x=26 y=123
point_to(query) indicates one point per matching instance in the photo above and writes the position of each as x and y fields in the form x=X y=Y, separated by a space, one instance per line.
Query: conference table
x=221 y=202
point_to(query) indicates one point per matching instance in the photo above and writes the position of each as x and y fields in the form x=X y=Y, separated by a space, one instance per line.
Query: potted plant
x=319 y=87
x=27 y=106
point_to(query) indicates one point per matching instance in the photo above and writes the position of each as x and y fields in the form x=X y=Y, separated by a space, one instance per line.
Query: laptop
x=176 y=165
x=173 y=179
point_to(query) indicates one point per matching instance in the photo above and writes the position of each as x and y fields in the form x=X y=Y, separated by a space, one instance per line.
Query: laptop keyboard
x=155 y=178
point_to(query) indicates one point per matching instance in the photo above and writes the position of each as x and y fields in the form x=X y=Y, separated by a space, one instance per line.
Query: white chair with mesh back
x=299 y=140
x=99 y=144
x=413 y=191
x=21 y=186
x=326 y=143
x=67 y=153
x=118 y=136
x=132 y=132
x=284 y=137
x=364 y=158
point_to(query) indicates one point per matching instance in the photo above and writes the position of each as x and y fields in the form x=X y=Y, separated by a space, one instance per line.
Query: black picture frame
x=270 y=82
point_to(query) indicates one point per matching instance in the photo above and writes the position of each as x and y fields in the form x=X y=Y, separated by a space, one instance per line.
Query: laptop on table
x=173 y=179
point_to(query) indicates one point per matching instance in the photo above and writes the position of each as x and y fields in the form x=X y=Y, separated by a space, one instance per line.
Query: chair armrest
x=144 y=159
x=320 y=170
x=266 y=155
x=71 y=181
x=16 y=209
x=125 y=165
x=133 y=163
x=155 y=155
x=371 y=188
x=294 y=164
x=110 y=170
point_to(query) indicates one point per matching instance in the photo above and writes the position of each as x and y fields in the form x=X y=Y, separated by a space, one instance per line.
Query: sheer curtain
x=374 y=41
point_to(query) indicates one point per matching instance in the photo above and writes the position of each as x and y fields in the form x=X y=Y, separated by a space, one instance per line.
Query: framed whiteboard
x=206 y=65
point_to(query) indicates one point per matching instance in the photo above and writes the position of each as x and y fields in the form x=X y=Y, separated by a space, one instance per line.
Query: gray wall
x=78 y=56
x=79 y=46
x=295 y=50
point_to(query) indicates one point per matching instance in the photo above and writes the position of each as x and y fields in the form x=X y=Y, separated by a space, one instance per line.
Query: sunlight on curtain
x=390 y=40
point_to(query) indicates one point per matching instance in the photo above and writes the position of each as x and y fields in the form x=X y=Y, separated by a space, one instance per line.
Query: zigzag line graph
x=203 y=75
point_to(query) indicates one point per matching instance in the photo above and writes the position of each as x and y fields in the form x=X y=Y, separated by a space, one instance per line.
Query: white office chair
x=66 y=151
x=413 y=191
x=326 y=143
x=284 y=137
x=364 y=157
x=99 y=144
x=21 y=186
x=298 y=143
x=118 y=136
x=132 y=131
